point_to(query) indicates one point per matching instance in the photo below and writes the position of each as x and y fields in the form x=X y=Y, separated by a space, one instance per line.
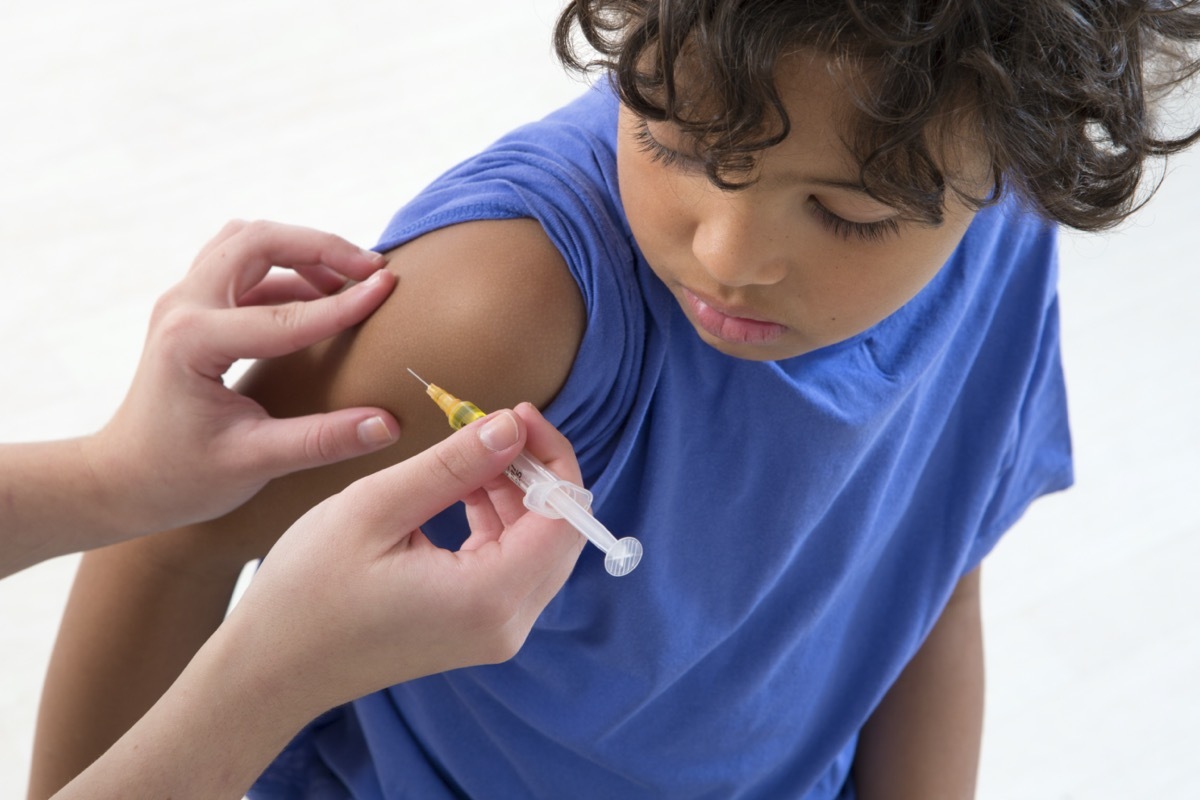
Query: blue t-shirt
x=804 y=520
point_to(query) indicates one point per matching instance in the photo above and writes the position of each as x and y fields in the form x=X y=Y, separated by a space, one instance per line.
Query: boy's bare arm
x=923 y=741
x=486 y=309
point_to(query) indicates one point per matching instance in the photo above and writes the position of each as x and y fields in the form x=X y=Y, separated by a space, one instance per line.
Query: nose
x=739 y=245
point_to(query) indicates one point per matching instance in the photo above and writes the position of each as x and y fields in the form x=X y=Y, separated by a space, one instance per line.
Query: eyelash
x=846 y=230
x=842 y=228
x=661 y=154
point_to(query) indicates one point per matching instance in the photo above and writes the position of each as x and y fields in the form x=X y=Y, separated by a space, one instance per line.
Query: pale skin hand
x=182 y=447
x=396 y=608
x=472 y=316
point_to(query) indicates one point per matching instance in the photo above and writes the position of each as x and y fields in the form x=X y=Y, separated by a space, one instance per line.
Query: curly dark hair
x=1061 y=90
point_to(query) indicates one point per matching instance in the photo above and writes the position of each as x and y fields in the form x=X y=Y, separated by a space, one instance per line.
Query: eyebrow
x=832 y=183
x=835 y=183
x=791 y=176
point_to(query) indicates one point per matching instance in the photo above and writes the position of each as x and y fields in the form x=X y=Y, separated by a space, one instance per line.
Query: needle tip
x=418 y=377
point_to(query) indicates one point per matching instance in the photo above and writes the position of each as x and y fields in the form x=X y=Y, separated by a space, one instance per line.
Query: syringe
x=546 y=493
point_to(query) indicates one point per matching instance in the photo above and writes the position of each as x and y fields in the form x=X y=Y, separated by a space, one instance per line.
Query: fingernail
x=500 y=432
x=375 y=432
x=373 y=257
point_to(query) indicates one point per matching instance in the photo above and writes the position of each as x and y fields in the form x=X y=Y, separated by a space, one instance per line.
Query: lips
x=728 y=325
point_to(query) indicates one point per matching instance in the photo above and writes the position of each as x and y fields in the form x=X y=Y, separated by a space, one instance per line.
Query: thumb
x=440 y=476
x=282 y=446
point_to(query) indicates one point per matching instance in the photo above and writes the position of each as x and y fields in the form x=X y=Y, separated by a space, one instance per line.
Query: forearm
x=284 y=655
x=923 y=740
x=134 y=618
x=210 y=736
x=51 y=503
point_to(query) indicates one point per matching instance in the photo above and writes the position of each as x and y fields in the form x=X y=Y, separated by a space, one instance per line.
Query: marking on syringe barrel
x=465 y=414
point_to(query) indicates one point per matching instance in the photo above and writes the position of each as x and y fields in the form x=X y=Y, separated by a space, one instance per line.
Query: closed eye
x=661 y=154
x=847 y=230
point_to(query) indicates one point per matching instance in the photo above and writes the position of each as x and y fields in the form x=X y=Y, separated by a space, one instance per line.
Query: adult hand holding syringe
x=546 y=493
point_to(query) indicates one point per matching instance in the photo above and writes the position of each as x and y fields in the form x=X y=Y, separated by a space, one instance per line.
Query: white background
x=131 y=130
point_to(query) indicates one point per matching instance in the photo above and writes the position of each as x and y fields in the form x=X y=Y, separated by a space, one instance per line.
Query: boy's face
x=800 y=259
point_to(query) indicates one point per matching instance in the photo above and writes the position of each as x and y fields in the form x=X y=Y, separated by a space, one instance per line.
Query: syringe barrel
x=536 y=481
x=551 y=496
x=581 y=520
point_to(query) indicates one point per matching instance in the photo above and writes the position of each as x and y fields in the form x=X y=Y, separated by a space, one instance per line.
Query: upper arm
x=923 y=739
x=487 y=309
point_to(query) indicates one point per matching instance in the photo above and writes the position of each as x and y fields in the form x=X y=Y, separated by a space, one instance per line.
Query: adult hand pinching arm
x=183 y=447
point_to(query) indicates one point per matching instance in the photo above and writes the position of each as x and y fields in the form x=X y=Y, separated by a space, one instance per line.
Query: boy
x=792 y=299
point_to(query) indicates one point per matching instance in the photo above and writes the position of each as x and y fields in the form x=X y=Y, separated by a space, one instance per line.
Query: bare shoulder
x=488 y=310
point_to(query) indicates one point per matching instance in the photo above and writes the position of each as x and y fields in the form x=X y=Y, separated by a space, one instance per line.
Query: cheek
x=839 y=289
x=659 y=217
x=642 y=197
x=877 y=285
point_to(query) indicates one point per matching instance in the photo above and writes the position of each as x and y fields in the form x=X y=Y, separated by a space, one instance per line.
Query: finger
x=325 y=259
x=322 y=278
x=412 y=491
x=279 y=288
x=482 y=520
x=506 y=499
x=280 y=446
x=548 y=445
x=270 y=331
x=535 y=558
x=321 y=281
x=562 y=557
x=240 y=261
x=228 y=230
x=496 y=505
x=539 y=554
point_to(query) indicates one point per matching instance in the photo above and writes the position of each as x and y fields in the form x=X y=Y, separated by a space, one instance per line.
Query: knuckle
x=328 y=248
x=162 y=308
x=231 y=228
x=256 y=229
x=330 y=242
x=290 y=318
x=321 y=444
x=174 y=323
x=450 y=463
x=509 y=642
